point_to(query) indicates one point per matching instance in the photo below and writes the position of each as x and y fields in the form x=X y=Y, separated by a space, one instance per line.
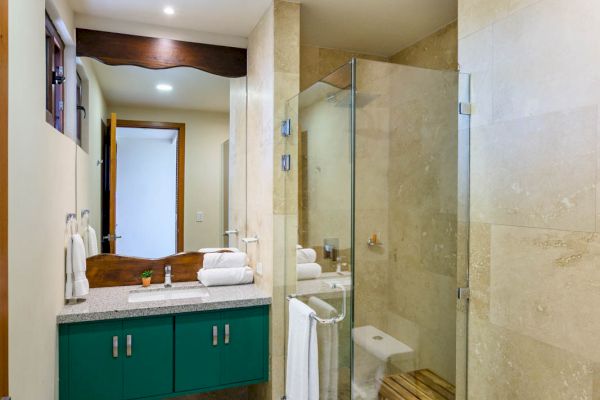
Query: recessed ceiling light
x=169 y=10
x=163 y=87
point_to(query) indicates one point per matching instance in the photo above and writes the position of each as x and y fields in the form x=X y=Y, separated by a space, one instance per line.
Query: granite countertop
x=113 y=302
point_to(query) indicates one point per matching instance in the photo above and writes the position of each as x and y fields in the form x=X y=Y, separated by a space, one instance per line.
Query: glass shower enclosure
x=378 y=188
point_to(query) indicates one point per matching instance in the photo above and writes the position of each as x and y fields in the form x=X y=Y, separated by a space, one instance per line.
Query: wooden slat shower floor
x=417 y=385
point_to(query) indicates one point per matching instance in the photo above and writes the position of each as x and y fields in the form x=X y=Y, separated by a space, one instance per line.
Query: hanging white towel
x=226 y=276
x=225 y=260
x=308 y=271
x=77 y=284
x=302 y=380
x=328 y=349
x=305 y=256
x=90 y=241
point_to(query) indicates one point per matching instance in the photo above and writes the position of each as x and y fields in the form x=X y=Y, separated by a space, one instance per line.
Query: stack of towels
x=224 y=269
x=306 y=266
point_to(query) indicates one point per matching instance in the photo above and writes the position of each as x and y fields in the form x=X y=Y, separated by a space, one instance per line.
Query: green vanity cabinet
x=221 y=348
x=94 y=368
x=163 y=356
x=242 y=356
x=122 y=359
x=148 y=361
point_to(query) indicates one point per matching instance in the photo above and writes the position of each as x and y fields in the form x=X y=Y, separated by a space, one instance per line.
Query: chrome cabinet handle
x=129 y=346
x=215 y=335
x=115 y=346
x=226 y=333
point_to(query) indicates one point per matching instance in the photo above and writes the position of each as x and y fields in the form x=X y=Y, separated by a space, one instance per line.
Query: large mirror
x=161 y=168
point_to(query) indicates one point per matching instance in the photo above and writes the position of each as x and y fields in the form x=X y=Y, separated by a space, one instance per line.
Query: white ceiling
x=226 y=17
x=135 y=86
x=379 y=27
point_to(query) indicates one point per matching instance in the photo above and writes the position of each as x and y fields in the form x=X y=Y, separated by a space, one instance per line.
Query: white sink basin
x=137 y=296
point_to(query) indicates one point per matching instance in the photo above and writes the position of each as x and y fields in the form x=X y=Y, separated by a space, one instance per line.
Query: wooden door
x=148 y=357
x=109 y=185
x=113 y=183
x=198 y=343
x=92 y=361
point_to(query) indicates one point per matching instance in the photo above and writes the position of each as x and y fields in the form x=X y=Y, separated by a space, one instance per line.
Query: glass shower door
x=319 y=206
x=410 y=197
x=378 y=188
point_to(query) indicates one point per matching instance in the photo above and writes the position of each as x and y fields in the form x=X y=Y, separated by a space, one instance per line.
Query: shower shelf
x=372 y=243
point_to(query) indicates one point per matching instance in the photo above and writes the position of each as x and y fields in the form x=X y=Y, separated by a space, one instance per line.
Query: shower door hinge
x=286 y=162
x=464 y=108
x=463 y=293
x=286 y=127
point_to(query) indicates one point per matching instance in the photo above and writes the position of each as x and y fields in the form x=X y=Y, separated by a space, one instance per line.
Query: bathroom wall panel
x=534 y=253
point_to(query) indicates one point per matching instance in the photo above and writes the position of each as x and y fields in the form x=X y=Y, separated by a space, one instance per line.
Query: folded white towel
x=305 y=256
x=302 y=374
x=298 y=247
x=328 y=349
x=218 y=249
x=225 y=260
x=90 y=241
x=77 y=284
x=226 y=276
x=308 y=271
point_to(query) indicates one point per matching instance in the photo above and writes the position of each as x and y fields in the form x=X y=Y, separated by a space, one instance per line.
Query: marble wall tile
x=474 y=15
x=436 y=51
x=476 y=58
x=534 y=163
x=549 y=80
x=537 y=171
x=507 y=365
x=560 y=308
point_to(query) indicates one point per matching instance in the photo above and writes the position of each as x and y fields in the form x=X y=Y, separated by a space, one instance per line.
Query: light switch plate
x=199 y=216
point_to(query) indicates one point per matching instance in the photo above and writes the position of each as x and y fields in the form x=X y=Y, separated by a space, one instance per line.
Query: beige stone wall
x=318 y=62
x=534 y=167
x=437 y=51
x=237 y=160
x=273 y=77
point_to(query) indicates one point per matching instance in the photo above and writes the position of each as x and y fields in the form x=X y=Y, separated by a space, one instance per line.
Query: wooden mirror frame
x=154 y=53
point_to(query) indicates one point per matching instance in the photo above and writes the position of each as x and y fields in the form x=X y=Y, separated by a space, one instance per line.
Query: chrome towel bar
x=334 y=320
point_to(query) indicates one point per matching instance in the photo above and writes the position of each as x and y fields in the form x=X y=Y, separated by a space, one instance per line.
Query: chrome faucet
x=168 y=276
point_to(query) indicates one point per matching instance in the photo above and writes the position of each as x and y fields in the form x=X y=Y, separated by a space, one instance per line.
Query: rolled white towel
x=225 y=260
x=308 y=271
x=218 y=249
x=305 y=256
x=226 y=276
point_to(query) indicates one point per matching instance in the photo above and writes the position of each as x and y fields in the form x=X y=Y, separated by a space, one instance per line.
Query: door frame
x=180 y=191
x=3 y=198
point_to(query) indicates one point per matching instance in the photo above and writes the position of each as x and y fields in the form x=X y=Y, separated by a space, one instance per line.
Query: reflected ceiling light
x=169 y=10
x=163 y=87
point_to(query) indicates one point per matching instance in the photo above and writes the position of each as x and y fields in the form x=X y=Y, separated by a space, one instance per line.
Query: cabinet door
x=197 y=351
x=95 y=368
x=244 y=354
x=147 y=357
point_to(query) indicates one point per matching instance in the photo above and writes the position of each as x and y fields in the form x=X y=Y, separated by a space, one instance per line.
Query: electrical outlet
x=199 y=216
x=259 y=268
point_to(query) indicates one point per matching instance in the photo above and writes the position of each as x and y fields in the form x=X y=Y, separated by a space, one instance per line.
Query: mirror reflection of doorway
x=147 y=204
